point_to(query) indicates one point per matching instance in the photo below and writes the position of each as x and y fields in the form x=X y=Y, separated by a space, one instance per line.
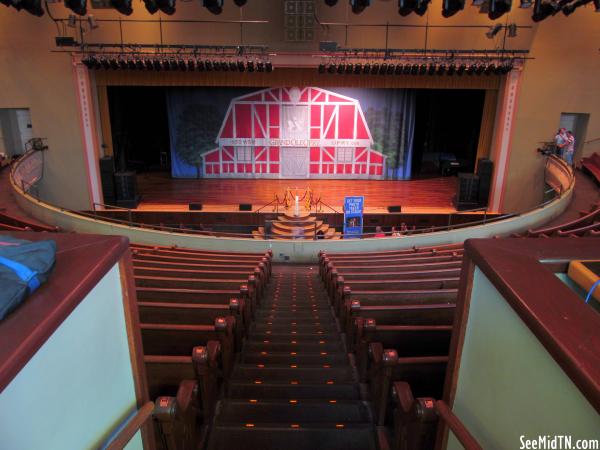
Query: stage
x=160 y=192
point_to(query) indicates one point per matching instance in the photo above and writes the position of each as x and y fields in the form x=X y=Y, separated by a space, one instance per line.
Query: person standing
x=569 y=148
x=560 y=140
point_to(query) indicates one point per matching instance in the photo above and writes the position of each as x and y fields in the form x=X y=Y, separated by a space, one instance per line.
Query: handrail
x=276 y=199
x=321 y=202
x=105 y=205
x=458 y=429
x=129 y=427
x=592 y=140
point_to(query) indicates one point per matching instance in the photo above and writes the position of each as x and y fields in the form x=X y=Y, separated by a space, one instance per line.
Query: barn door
x=295 y=125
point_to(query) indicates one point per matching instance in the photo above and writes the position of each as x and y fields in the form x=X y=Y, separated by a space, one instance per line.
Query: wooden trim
x=107 y=144
x=288 y=76
x=449 y=420
x=137 y=422
x=134 y=339
x=461 y=315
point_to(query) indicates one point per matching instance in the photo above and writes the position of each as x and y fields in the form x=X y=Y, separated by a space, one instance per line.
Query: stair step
x=290 y=315
x=300 y=338
x=258 y=346
x=292 y=411
x=299 y=357
x=288 y=391
x=275 y=326
x=290 y=376
x=276 y=437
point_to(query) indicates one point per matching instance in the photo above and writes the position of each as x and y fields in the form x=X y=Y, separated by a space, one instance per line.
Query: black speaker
x=395 y=209
x=485 y=169
x=126 y=189
x=245 y=207
x=468 y=191
x=195 y=206
x=485 y=166
x=107 y=179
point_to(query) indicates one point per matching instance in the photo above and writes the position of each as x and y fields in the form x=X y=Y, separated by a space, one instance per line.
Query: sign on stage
x=353 y=216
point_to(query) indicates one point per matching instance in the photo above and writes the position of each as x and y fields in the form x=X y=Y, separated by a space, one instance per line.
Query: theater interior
x=299 y=224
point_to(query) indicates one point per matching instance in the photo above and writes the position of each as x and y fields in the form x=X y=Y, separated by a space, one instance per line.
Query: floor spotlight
x=451 y=7
x=359 y=6
x=77 y=6
x=214 y=6
x=123 y=6
x=493 y=31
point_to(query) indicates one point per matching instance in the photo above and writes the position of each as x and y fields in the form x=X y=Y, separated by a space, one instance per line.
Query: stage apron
x=294 y=160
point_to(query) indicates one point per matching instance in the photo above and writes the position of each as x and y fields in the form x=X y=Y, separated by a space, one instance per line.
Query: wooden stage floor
x=160 y=192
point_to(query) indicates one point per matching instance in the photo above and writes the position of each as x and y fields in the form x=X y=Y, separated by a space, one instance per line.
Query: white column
x=87 y=123
x=503 y=137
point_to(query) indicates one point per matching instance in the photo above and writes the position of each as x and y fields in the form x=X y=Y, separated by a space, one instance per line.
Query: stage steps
x=294 y=386
x=283 y=228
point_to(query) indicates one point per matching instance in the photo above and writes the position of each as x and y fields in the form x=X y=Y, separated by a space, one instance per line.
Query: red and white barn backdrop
x=294 y=133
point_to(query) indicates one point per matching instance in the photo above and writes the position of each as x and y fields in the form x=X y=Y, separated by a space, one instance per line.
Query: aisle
x=294 y=387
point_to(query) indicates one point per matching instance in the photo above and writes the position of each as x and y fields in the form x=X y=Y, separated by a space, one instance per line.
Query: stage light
x=506 y=68
x=357 y=68
x=471 y=69
x=489 y=69
x=451 y=7
x=241 y=66
x=498 y=8
x=174 y=64
x=375 y=69
x=216 y=66
x=405 y=7
x=151 y=6
x=543 y=9
x=182 y=65
x=441 y=69
x=114 y=64
x=525 y=4
x=422 y=69
x=359 y=6
x=157 y=65
x=512 y=30
x=250 y=66
x=208 y=65
x=571 y=7
x=232 y=66
x=31 y=6
x=331 y=68
x=200 y=66
x=431 y=69
x=139 y=64
x=77 y=6
x=260 y=66
x=499 y=70
x=269 y=66
x=390 y=69
x=341 y=68
x=493 y=31
x=383 y=69
x=367 y=68
x=461 y=69
x=105 y=63
x=331 y=2
x=130 y=64
x=406 y=69
x=239 y=3
x=414 y=69
x=148 y=64
x=214 y=6
x=398 y=69
x=451 y=69
x=349 y=68
x=123 y=6
x=321 y=68
x=88 y=62
x=122 y=64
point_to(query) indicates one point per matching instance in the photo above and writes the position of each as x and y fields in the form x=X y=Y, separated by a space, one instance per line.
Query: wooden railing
x=131 y=427
x=456 y=426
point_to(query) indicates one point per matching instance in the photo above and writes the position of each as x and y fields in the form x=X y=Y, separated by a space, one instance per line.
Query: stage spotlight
x=31 y=6
x=331 y=68
x=191 y=65
x=349 y=68
x=105 y=63
x=506 y=68
x=367 y=68
x=489 y=69
x=182 y=65
x=250 y=66
x=148 y=64
x=398 y=69
x=414 y=69
x=157 y=65
x=341 y=68
x=330 y=2
x=471 y=69
x=359 y=6
x=260 y=66
x=241 y=66
x=216 y=66
x=357 y=68
x=525 y=4
x=77 y=6
x=422 y=69
x=114 y=64
x=441 y=69
x=512 y=30
x=269 y=66
x=406 y=69
x=123 y=64
x=571 y=7
x=232 y=66
x=208 y=65
x=200 y=67
x=451 y=7
x=390 y=69
x=499 y=70
x=375 y=69
x=239 y=3
x=493 y=31
x=543 y=9
x=130 y=64
x=451 y=69
x=214 y=6
x=383 y=69
x=498 y=8
x=174 y=64
x=88 y=62
x=431 y=69
x=151 y=6
x=405 y=7
x=321 y=68
x=461 y=69
x=123 y=6
x=479 y=69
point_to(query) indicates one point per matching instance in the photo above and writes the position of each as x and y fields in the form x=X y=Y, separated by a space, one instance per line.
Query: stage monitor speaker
x=468 y=191
x=485 y=169
x=485 y=166
x=126 y=189
x=245 y=207
x=395 y=209
x=195 y=206
x=107 y=179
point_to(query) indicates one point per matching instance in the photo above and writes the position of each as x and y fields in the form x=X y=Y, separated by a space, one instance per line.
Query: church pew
x=581 y=231
x=396 y=297
x=351 y=277
x=25 y=224
x=160 y=339
x=204 y=365
x=404 y=251
x=175 y=248
x=410 y=314
x=200 y=283
x=584 y=220
x=391 y=285
x=424 y=373
x=409 y=340
x=195 y=314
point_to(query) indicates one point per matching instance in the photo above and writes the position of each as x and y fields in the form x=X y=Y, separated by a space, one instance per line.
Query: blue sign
x=353 y=216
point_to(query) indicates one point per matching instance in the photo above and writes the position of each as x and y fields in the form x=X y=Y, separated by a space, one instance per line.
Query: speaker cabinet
x=195 y=206
x=126 y=189
x=107 y=179
x=245 y=207
x=468 y=191
x=394 y=209
x=485 y=169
